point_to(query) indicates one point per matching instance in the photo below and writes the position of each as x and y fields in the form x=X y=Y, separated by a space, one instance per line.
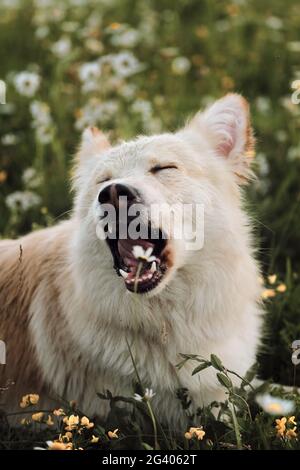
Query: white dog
x=66 y=313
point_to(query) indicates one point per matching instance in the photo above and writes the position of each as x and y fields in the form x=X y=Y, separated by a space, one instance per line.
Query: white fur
x=208 y=302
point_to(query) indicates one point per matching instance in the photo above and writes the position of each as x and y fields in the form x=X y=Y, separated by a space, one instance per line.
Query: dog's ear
x=93 y=142
x=226 y=124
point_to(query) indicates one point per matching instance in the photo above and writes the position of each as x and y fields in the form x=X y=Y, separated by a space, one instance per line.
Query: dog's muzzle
x=141 y=258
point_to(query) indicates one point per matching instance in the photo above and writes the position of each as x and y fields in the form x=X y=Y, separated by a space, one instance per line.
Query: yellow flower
x=272 y=278
x=195 y=432
x=291 y=419
x=86 y=422
x=113 y=434
x=268 y=293
x=33 y=398
x=25 y=421
x=280 y=426
x=29 y=399
x=49 y=421
x=59 y=412
x=71 y=422
x=114 y=26
x=56 y=445
x=66 y=437
x=37 y=417
x=291 y=433
x=94 y=439
x=3 y=176
x=281 y=288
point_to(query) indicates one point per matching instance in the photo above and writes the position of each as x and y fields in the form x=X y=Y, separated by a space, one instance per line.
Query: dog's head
x=153 y=184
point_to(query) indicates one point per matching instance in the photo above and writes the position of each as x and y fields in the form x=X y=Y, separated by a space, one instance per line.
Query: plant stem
x=236 y=427
x=138 y=271
x=156 y=444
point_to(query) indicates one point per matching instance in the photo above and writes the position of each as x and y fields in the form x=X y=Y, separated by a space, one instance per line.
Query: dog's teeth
x=153 y=267
x=124 y=274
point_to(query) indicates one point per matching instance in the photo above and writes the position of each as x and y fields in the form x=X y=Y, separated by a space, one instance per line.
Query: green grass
x=250 y=47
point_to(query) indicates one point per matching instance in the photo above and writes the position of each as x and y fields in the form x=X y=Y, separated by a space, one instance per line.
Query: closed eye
x=158 y=168
x=103 y=180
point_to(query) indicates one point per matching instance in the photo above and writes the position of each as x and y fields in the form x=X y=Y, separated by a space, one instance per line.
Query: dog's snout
x=112 y=193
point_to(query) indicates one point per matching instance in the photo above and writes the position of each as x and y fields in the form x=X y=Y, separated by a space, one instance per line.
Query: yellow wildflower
x=114 y=26
x=37 y=417
x=49 y=421
x=71 y=422
x=66 y=437
x=281 y=288
x=280 y=426
x=25 y=421
x=195 y=432
x=29 y=399
x=3 y=176
x=86 y=422
x=291 y=433
x=268 y=293
x=94 y=439
x=291 y=419
x=113 y=434
x=272 y=278
x=56 y=445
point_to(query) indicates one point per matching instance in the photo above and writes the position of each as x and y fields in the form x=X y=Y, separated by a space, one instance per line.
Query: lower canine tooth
x=153 y=267
x=124 y=274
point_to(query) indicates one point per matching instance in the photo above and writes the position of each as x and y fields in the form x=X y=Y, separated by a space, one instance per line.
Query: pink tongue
x=125 y=248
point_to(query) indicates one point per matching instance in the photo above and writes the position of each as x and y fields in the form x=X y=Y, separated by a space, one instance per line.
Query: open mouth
x=142 y=263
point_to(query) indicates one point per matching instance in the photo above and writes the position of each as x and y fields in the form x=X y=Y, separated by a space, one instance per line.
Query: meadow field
x=138 y=67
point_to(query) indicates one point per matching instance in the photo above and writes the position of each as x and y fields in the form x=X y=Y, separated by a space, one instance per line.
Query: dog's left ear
x=227 y=124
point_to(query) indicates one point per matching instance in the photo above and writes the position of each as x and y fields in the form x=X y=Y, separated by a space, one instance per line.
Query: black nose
x=111 y=194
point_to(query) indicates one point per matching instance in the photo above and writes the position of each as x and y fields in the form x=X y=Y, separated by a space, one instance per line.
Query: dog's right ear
x=93 y=142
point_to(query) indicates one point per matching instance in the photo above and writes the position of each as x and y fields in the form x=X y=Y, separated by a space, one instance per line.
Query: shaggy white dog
x=66 y=314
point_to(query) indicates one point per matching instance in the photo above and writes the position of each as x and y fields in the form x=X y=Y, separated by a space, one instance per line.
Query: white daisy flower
x=23 y=200
x=89 y=71
x=126 y=64
x=143 y=255
x=9 y=139
x=274 y=405
x=149 y=394
x=40 y=112
x=62 y=47
x=138 y=397
x=30 y=178
x=27 y=83
x=181 y=65
x=128 y=38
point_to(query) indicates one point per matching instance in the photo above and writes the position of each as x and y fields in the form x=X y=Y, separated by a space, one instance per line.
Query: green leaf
x=216 y=362
x=224 y=380
x=201 y=367
x=146 y=446
x=250 y=375
x=239 y=402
